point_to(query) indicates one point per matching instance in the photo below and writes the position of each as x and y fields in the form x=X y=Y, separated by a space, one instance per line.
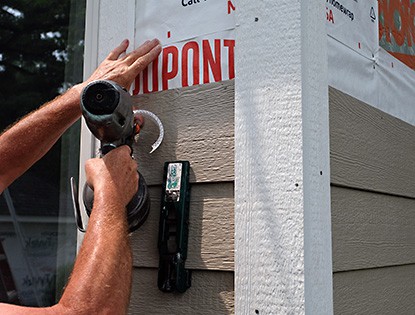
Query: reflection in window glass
x=41 y=47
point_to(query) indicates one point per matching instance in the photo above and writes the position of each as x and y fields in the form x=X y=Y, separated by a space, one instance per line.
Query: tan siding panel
x=211 y=235
x=199 y=127
x=369 y=148
x=211 y=293
x=375 y=291
x=371 y=230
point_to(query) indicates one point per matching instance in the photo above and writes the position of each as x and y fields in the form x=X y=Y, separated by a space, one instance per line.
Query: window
x=41 y=55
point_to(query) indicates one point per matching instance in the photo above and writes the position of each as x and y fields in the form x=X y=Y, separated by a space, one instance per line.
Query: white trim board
x=87 y=141
x=283 y=260
x=107 y=24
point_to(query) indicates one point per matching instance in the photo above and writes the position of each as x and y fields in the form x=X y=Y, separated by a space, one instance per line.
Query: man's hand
x=25 y=143
x=101 y=280
x=124 y=69
x=113 y=177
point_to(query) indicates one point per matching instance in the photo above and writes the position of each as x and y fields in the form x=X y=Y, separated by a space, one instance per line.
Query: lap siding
x=373 y=209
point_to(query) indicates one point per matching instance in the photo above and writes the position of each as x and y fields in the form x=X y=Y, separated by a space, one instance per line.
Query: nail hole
x=256 y=19
x=256 y=312
x=321 y=173
x=296 y=185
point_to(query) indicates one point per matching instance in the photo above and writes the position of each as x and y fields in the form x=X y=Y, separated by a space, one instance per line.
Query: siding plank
x=211 y=235
x=373 y=222
x=211 y=293
x=371 y=230
x=199 y=127
x=375 y=291
x=369 y=148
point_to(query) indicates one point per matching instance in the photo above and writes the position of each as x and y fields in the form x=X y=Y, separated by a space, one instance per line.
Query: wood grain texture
x=211 y=293
x=378 y=291
x=282 y=207
x=371 y=230
x=211 y=229
x=199 y=127
x=369 y=148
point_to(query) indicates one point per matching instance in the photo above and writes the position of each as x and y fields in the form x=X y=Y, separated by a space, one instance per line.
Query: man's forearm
x=29 y=139
x=101 y=279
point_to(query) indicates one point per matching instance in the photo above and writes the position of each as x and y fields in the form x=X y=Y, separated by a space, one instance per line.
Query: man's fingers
x=117 y=51
x=124 y=149
x=116 y=153
x=142 y=50
x=89 y=170
x=141 y=63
